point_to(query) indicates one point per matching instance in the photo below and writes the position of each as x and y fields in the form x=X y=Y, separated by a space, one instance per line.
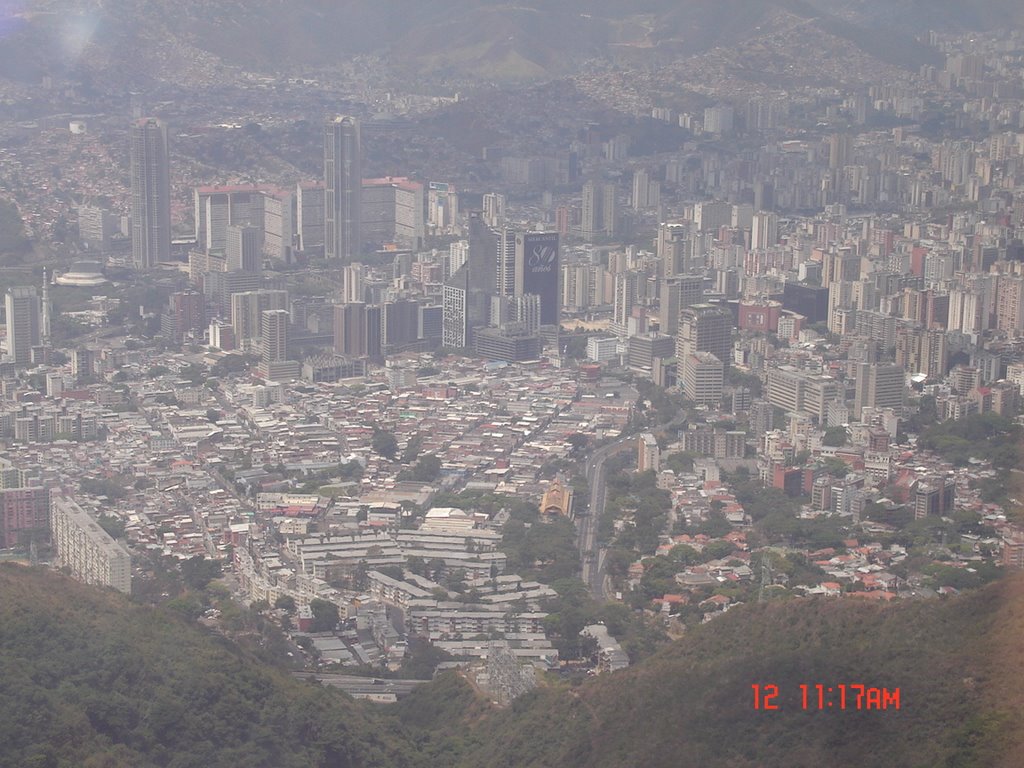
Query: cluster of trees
x=635 y=496
x=986 y=436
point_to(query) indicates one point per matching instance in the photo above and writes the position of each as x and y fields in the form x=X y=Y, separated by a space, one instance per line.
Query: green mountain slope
x=90 y=680
x=958 y=664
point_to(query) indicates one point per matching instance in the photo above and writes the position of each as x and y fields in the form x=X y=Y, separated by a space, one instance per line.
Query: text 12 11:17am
x=853 y=696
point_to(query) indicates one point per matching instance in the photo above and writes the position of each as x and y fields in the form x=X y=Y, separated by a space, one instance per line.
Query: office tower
x=234 y=205
x=24 y=323
x=86 y=550
x=711 y=215
x=247 y=308
x=273 y=335
x=219 y=287
x=764 y=232
x=795 y=391
x=455 y=329
x=878 y=386
x=591 y=222
x=705 y=328
x=676 y=294
x=1010 y=303
x=310 y=215
x=185 y=316
x=83 y=363
x=353 y=283
x=494 y=210
x=526 y=309
x=600 y=211
x=625 y=298
x=150 y=193
x=840 y=151
x=609 y=211
x=400 y=324
x=648 y=454
x=244 y=249
x=279 y=225
x=442 y=207
x=506 y=262
x=343 y=183
x=392 y=212
x=350 y=331
x=641 y=189
x=24 y=515
x=718 y=119
x=96 y=227
x=671 y=248
x=537 y=272
x=702 y=378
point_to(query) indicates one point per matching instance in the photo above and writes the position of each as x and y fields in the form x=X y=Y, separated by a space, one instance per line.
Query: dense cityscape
x=526 y=381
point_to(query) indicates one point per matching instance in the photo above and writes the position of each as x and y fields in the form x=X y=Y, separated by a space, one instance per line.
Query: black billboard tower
x=538 y=272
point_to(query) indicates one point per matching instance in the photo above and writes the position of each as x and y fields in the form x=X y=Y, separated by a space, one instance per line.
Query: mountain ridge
x=129 y=43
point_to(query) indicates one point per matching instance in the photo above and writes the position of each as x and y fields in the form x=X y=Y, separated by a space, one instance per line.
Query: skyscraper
x=537 y=272
x=705 y=328
x=244 y=249
x=274 y=335
x=24 y=323
x=343 y=180
x=150 y=194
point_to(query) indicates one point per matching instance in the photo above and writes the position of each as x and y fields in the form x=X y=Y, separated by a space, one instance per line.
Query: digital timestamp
x=850 y=696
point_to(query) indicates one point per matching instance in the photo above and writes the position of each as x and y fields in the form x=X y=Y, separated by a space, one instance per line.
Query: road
x=591 y=554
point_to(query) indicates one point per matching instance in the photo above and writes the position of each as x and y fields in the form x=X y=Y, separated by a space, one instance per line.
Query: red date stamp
x=845 y=696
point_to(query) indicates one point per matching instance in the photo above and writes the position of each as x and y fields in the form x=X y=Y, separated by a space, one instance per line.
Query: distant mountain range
x=91 y=680
x=130 y=42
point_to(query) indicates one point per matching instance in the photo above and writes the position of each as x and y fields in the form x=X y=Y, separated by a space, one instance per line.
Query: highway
x=591 y=554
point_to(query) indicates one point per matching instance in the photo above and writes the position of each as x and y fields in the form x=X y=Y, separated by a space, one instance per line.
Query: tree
x=285 y=603
x=384 y=444
x=578 y=441
x=427 y=469
x=212 y=415
x=197 y=571
x=325 y=615
x=834 y=437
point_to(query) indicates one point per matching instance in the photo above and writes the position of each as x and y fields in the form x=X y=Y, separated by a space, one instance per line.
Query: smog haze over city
x=461 y=384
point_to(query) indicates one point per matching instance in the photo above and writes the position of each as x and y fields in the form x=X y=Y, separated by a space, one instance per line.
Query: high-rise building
x=247 y=308
x=310 y=215
x=878 y=386
x=274 y=335
x=676 y=294
x=24 y=323
x=702 y=378
x=705 y=328
x=537 y=272
x=185 y=316
x=86 y=550
x=494 y=210
x=648 y=454
x=600 y=211
x=625 y=298
x=343 y=182
x=506 y=261
x=244 y=249
x=392 y=212
x=150 y=193
x=24 y=514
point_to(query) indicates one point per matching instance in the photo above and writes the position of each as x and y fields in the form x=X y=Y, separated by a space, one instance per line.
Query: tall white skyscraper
x=343 y=180
x=150 y=193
